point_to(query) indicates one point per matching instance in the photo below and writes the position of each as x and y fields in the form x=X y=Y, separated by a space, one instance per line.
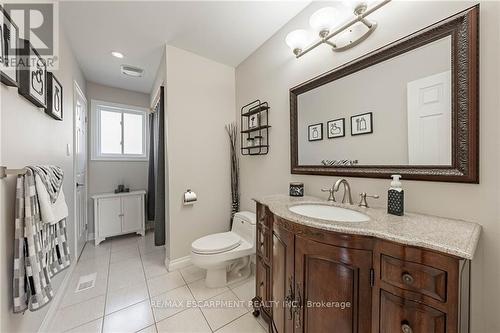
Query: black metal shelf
x=255 y=129
x=259 y=131
x=255 y=110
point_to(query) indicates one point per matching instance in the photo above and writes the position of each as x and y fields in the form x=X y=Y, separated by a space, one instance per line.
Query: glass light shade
x=324 y=19
x=354 y=4
x=298 y=39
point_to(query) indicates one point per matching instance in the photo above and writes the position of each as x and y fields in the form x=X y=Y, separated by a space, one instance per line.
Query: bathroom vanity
x=388 y=274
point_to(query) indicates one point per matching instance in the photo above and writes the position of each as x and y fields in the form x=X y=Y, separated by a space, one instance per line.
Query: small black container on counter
x=296 y=189
x=396 y=197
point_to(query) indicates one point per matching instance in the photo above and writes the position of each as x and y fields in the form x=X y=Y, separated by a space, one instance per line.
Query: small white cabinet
x=118 y=214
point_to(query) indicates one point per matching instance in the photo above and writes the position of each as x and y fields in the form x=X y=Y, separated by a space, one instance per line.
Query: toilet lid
x=216 y=243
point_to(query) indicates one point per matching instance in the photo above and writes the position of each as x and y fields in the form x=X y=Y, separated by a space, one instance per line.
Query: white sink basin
x=331 y=213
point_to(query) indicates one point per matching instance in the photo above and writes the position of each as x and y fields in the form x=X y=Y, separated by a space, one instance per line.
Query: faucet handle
x=331 y=197
x=363 y=196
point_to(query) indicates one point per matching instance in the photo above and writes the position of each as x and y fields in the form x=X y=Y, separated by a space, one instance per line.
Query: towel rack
x=4 y=172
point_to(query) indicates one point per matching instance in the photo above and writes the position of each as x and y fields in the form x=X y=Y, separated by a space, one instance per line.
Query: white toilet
x=226 y=255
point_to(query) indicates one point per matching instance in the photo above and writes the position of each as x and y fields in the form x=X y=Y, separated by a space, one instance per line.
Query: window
x=118 y=132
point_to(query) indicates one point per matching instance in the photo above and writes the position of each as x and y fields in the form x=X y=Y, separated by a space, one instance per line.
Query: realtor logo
x=38 y=23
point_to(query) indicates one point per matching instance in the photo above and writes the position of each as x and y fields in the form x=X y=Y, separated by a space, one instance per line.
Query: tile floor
x=134 y=292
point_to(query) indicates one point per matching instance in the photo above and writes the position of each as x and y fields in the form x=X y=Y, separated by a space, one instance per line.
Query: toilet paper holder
x=189 y=197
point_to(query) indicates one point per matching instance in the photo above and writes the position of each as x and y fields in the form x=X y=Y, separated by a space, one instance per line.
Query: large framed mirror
x=409 y=108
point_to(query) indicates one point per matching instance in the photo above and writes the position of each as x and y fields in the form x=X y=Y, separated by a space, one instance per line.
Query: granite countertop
x=455 y=237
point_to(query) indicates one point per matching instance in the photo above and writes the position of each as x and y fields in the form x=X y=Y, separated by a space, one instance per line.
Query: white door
x=110 y=217
x=80 y=160
x=132 y=213
x=429 y=120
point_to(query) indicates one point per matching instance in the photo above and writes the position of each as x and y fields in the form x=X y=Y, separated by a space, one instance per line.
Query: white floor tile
x=171 y=302
x=78 y=314
x=126 y=254
x=91 y=251
x=223 y=309
x=92 y=327
x=193 y=273
x=147 y=244
x=131 y=319
x=124 y=242
x=202 y=292
x=149 y=329
x=245 y=291
x=124 y=297
x=162 y=283
x=188 y=321
x=71 y=297
x=125 y=273
x=245 y=324
x=154 y=264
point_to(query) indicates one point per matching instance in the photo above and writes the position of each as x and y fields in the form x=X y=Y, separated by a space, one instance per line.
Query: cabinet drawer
x=262 y=280
x=400 y=315
x=413 y=276
x=263 y=242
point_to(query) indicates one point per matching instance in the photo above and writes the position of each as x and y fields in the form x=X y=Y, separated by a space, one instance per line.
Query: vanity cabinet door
x=109 y=217
x=133 y=213
x=332 y=287
x=283 y=281
x=401 y=315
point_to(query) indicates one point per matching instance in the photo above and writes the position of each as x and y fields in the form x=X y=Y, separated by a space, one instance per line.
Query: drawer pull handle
x=406 y=328
x=407 y=278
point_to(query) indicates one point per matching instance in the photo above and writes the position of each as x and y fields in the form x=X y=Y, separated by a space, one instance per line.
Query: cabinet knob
x=406 y=328
x=407 y=278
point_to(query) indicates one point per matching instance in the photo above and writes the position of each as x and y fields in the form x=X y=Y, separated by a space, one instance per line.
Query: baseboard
x=56 y=301
x=176 y=264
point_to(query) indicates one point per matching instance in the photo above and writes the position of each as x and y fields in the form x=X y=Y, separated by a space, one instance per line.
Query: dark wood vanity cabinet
x=312 y=280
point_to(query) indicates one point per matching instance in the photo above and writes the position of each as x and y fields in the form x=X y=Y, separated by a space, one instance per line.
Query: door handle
x=298 y=308
x=80 y=185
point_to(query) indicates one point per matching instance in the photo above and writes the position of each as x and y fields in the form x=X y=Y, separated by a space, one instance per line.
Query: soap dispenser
x=396 y=197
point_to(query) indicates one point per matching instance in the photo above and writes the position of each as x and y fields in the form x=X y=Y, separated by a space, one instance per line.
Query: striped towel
x=52 y=177
x=40 y=249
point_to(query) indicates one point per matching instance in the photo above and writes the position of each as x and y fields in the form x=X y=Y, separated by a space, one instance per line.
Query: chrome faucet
x=347 y=191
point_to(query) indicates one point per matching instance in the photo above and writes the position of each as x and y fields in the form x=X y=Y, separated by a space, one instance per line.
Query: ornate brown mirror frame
x=464 y=31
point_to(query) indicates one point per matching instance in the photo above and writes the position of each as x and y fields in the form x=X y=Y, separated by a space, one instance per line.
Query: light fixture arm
x=359 y=18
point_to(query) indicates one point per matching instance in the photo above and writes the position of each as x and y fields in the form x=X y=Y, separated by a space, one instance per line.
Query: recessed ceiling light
x=132 y=71
x=117 y=54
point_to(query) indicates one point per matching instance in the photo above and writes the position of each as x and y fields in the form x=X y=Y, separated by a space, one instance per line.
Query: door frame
x=77 y=91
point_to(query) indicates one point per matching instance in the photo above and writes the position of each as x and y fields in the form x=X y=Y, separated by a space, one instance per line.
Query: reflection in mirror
x=395 y=113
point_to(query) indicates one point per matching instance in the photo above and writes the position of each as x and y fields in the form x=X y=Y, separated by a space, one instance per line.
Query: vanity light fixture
x=117 y=54
x=328 y=23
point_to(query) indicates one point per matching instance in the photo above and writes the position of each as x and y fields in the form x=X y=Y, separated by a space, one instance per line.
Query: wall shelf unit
x=255 y=128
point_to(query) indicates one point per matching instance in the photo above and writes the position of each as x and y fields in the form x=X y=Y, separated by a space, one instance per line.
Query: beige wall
x=105 y=176
x=200 y=100
x=272 y=70
x=29 y=136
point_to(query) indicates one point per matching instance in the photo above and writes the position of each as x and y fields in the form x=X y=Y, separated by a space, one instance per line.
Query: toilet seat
x=216 y=243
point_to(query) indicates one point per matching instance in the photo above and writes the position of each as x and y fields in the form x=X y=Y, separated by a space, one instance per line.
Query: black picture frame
x=368 y=129
x=54 y=97
x=334 y=136
x=309 y=138
x=33 y=91
x=8 y=77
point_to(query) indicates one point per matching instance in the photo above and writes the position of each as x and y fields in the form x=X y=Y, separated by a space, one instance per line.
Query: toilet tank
x=244 y=226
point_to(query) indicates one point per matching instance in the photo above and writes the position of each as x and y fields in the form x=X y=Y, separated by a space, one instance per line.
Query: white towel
x=50 y=212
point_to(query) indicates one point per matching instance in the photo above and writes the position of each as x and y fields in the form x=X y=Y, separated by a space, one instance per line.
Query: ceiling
x=224 y=31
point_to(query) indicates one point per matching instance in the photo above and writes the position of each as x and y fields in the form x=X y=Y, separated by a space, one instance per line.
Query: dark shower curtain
x=156 y=179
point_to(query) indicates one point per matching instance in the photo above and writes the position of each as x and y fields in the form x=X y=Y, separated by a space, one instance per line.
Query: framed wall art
x=335 y=128
x=362 y=124
x=32 y=75
x=9 y=39
x=315 y=132
x=54 y=97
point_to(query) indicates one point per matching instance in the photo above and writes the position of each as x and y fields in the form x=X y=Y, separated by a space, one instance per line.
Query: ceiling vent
x=132 y=71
